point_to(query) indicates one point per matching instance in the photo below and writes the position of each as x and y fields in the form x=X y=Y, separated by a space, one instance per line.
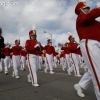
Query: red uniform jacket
x=73 y=47
x=62 y=55
x=49 y=49
x=65 y=50
x=16 y=50
x=30 y=47
x=6 y=51
x=23 y=52
x=55 y=53
x=86 y=25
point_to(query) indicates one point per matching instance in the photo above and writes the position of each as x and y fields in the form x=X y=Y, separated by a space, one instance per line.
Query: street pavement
x=58 y=86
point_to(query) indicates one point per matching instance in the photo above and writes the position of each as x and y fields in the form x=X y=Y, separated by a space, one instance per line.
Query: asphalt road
x=58 y=86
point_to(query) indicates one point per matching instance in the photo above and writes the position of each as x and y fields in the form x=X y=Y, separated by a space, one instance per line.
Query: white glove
x=37 y=45
x=7 y=46
x=78 y=46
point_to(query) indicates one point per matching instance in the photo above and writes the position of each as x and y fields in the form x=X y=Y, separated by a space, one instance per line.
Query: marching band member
x=64 y=63
x=67 y=53
x=45 y=62
x=61 y=58
x=49 y=56
x=16 y=58
x=11 y=63
x=88 y=29
x=7 y=54
x=55 y=59
x=23 y=54
x=73 y=47
x=33 y=49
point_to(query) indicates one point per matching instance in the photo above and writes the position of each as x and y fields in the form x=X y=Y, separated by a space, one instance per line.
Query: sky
x=56 y=17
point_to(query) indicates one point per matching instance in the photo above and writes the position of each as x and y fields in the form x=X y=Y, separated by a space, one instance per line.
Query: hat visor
x=86 y=7
x=33 y=35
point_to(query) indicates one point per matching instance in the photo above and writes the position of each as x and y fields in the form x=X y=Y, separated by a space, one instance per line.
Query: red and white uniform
x=88 y=30
x=67 y=54
x=61 y=58
x=16 y=59
x=49 y=56
x=73 y=47
x=7 y=52
x=23 y=54
x=33 y=59
x=55 y=59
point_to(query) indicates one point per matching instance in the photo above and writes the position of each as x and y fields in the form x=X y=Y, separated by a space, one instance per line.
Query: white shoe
x=29 y=78
x=63 y=69
x=45 y=71
x=17 y=77
x=55 y=66
x=69 y=72
x=78 y=75
x=9 y=66
x=85 y=69
x=13 y=75
x=6 y=73
x=51 y=72
x=35 y=85
x=21 y=69
x=79 y=90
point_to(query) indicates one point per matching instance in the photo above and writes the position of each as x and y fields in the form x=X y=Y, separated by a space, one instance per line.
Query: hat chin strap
x=83 y=11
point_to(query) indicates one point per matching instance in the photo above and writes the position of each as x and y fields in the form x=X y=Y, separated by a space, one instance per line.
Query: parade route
x=58 y=86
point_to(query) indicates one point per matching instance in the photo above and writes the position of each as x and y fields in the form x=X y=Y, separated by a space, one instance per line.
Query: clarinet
x=39 y=47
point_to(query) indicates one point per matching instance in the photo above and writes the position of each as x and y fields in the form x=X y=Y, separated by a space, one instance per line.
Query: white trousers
x=61 y=61
x=6 y=63
x=67 y=60
x=75 y=60
x=40 y=61
x=37 y=63
x=49 y=59
x=85 y=80
x=33 y=66
x=16 y=64
x=64 y=63
x=23 y=62
x=91 y=54
x=46 y=63
x=55 y=61
x=1 y=64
